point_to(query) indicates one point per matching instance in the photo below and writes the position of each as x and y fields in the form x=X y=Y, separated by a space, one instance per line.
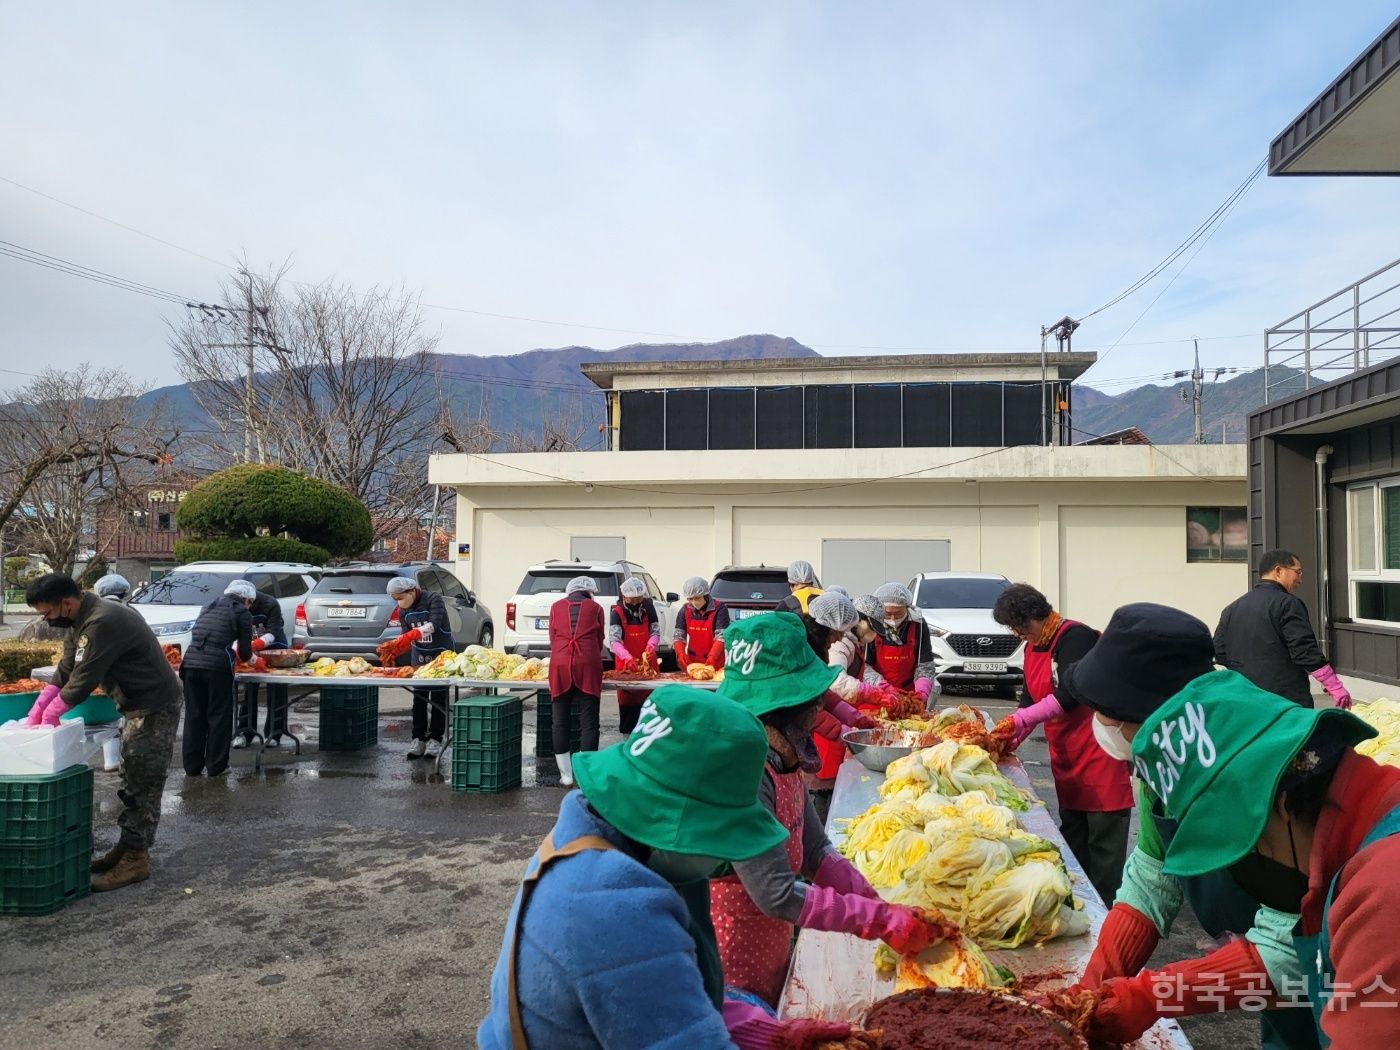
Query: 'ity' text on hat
x=651 y=727
x=1190 y=728
x=742 y=655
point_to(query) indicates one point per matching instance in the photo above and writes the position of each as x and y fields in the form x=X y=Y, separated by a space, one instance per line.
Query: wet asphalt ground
x=332 y=900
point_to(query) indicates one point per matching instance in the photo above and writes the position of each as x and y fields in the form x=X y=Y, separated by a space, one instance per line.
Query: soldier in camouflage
x=110 y=645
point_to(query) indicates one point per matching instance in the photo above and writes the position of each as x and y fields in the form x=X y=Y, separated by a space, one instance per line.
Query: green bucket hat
x=1214 y=755
x=686 y=779
x=768 y=664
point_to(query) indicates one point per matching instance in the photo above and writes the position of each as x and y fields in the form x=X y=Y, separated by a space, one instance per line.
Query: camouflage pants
x=148 y=738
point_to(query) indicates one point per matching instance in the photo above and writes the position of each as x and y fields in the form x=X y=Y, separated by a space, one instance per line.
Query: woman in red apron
x=634 y=631
x=830 y=619
x=1093 y=789
x=575 y=669
x=772 y=670
x=700 y=625
x=902 y=652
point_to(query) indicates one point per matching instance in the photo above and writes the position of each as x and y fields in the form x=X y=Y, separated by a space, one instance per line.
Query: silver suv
x=349 y=612
x=971 y=648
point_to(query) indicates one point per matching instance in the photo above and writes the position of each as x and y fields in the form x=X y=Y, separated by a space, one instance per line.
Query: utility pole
x=1196 y=376
x=248 y=382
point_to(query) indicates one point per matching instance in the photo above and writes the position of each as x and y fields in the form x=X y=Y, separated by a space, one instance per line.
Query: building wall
x=1090 y=545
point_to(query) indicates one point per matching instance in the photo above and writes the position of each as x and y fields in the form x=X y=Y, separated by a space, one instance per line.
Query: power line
x=54 y=262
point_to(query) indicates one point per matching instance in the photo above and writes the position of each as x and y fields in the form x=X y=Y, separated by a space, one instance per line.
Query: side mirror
x=672 y=596
x=471 y=598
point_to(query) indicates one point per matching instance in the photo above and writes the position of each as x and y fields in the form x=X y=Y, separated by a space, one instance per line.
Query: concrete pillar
x=466 y=533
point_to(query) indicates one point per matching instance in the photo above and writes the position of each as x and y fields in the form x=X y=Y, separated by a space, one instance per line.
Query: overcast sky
x=922 y=175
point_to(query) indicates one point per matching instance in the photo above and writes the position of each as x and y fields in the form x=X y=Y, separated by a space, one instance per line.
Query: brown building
x=137 y=535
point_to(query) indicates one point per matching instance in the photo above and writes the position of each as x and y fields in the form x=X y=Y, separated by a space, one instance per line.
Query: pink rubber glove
x=837 y=873
x=54 y=711
x=922 y=688
x=873 y=695
x=845 y=714
x=906 y=930
x=1327 y=678
x=753 y=1028
x=1027 y=718
x=36 y=713
x=622 y=656
x=651 y=652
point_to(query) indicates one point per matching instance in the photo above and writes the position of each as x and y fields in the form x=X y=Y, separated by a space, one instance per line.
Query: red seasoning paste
x=953 y=1019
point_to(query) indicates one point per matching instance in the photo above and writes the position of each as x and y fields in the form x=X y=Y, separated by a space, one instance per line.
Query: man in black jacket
x=1267 y=637
x=271 y=633
x=111 y=646
x=207 y=669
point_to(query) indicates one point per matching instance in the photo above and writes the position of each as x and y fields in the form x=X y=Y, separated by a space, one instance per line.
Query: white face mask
x=1112 y=740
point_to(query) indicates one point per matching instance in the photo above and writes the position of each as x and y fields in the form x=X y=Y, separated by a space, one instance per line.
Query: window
x=451 y=586
x=265 y=582
x=185 y=588
x=353 y=583
x=1373 y=550
x=553 y=581
x=653 y=591
x=165 y=521
x=1217 y=534
x=291 y=584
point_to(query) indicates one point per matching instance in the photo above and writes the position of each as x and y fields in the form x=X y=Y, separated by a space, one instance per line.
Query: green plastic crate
x=486 y=772
x=349 y=717
x=15 y=705
x=544 y=727
x=40 y=879
x=487 y=721
x=39 y=809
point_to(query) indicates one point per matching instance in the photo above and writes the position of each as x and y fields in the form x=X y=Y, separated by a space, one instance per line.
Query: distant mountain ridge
x=519 y=392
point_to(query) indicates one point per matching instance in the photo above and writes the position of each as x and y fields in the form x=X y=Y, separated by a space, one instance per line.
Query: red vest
x=576 y=651
x=700 y=633
x=897 y=661
x=1086 y=778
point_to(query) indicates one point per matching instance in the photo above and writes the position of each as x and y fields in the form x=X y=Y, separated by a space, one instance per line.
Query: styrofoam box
x=27 y=750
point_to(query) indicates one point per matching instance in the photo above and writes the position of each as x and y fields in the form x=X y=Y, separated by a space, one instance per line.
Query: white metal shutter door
x=862 y=565
x=598 y=548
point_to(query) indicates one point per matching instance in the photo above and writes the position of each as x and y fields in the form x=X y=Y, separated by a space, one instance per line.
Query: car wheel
x=486 y=637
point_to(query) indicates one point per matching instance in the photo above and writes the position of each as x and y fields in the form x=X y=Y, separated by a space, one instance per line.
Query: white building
x=873 y=469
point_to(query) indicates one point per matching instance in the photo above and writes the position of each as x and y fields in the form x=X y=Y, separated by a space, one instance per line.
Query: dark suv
x=349 y=611
x=747 y=590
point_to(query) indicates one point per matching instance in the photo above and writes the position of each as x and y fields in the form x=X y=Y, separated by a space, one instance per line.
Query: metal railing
x=1349 y=330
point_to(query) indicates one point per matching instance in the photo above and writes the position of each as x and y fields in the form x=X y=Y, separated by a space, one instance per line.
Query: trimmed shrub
x=259 y=548
x=17 y=659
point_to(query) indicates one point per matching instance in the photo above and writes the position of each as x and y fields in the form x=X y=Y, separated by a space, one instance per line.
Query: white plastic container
x=27 y=750
x=111 y=753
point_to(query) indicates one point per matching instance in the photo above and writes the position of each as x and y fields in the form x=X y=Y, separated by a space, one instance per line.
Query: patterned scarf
x=1052 y=624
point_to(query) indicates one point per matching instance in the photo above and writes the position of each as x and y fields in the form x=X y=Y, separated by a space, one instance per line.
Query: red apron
x=635 y=637
x=832 y=750
x=755 y=948
x=576 y=650
x=700 y=634
x=897 y=661
x=1086 y=778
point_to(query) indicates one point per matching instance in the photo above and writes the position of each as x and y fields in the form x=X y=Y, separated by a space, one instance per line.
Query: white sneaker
x=240 y=742
x=566 y=769
x=418 y=749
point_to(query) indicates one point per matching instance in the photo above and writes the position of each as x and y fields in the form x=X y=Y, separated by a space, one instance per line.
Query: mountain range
x=517 y=394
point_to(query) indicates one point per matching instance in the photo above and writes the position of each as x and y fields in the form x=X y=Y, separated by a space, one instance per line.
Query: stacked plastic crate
x=486 y=737
x=349 y=717
x=45 y=841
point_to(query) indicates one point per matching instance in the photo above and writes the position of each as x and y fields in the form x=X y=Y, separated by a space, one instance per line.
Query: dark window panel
x=1023 y=415
x=928 y=422
x=687 y=418
x=809 y=417
x=778 y=422
x=834 y=421
x=643 y=420
x=732 y=418
x=977 y=418
x=877 y=418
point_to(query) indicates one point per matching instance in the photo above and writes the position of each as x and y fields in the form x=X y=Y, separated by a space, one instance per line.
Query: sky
x=923 y=176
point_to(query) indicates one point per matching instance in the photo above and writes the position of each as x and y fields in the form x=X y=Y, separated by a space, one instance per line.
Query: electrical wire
x=61 y=265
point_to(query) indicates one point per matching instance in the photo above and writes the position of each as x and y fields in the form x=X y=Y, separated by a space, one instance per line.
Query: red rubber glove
x=716 y=657
x=807 y=1033
x=262 y=642
x=1126 y=941
x=682 y=657
x=1222 y=980
x=622 y=658
x=396 y=647
x=828 y=726
x=651 y=652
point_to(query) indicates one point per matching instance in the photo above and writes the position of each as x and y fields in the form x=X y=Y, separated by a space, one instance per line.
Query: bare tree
x=69 y=440
x=339 y=384
x=563 y=431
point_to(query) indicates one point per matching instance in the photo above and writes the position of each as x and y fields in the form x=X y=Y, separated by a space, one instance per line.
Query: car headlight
x=938 y=632
x=164 y=630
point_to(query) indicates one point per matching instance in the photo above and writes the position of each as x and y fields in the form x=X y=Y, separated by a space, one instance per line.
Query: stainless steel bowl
x=284 y=659
x=878 y=756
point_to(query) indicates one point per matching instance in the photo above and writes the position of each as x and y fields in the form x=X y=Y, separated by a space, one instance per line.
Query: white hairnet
x=110 y=585
x=894 y=594
x=582 y=583
x=695 y=587
x=870 y=607
x=836 y=588
x=834 y=611
x=241 y=589
x=632 y=588
x=400 y=585
x=802 y=572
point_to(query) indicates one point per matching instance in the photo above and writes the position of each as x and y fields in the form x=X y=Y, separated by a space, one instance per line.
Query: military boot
x=134 y=866
x=108 y=860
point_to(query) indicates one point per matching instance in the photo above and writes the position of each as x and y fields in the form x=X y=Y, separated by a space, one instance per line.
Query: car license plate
x=541 y=623
x=985 y=666
x=354 y=612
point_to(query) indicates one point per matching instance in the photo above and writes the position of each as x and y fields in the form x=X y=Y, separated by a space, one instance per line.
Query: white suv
x=971 y=648
x=527 y=612
x=172 y=603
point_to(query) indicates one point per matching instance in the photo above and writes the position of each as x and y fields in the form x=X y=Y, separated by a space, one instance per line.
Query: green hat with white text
x=686 y=779
x=1214 y=755
x=768 y=664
